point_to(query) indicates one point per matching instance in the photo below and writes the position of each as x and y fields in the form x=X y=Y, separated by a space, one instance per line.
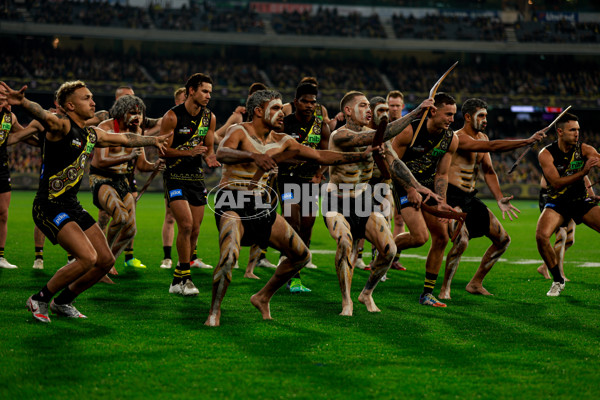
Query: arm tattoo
x=151 y=122
x=35 y=110
x=440 y=186
x=135 y=140
x=102 y=115
x=394 y=128
x=403 y=174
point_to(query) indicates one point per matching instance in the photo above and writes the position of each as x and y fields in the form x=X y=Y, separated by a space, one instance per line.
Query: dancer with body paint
x=473 y=153
x=348 y=192
x=193 y=125
x=56 y=210
x=240 y=214
x=109 y=172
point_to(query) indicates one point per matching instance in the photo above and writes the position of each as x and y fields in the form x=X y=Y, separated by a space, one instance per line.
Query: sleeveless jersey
x=422 y=158
x=307 y=134
x=189 y=132
x=567 y=164
x=63 y=164
x=4 y=132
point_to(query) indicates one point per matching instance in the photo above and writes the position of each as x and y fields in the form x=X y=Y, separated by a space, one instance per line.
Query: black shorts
x=194 y=192
x=5 y=182
x=305 y=194
x=478 y=215
x=543 y=199
x=118 y=182
x=257 y=222
x=51 y=216
x=571 y=209
x=132 y=183
x=358 y=223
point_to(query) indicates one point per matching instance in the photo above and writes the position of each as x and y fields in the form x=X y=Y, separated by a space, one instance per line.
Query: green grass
x=141 y=342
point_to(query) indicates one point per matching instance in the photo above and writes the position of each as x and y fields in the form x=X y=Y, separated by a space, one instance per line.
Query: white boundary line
x=580 y=264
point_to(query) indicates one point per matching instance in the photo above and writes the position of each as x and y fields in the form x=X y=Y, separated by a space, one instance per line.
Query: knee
x=169 y=219
x=105 y=260
x=541 y=237
x=3 y=216
x=184 y=228
x=505 y=241
x=88 y=260
x=389 y=251
x=420 y=237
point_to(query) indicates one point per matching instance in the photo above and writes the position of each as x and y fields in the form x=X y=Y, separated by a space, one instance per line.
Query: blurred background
x=528 y=59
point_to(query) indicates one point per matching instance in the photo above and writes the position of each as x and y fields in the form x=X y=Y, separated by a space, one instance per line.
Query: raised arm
x=467 y=143
x=25 y=134
x=348 y=138
x=327 y=157
x=106 y=139
x=52 y=122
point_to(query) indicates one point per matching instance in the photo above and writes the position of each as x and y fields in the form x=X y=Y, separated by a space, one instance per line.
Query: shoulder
x=106 y=125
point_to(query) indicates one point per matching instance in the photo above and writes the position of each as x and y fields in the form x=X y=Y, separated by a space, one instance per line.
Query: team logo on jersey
x=76 y=143
x=185 y=131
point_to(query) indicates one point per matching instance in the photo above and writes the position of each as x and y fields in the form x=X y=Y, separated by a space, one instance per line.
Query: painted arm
x=230 y=152
x=143 y=165
x=106 y=139
x=551 y=173
x=491 y=179
x=327 y=157
x=467 y=143
x=235 y=118
x=103 y=158
x=152 y=126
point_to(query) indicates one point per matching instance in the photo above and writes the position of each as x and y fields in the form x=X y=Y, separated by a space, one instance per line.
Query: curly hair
x=67 y=89
x=125 y=104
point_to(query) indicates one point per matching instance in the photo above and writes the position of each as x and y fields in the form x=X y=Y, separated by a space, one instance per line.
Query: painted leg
x=378 y=232
x=453 y=259
x=339 y=229
x=255 y=251
x=230 y=235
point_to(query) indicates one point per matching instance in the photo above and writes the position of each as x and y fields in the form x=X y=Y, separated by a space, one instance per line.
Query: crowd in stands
x=328 y=22
x=558 y=31
x=210 y=16
x=435 y=27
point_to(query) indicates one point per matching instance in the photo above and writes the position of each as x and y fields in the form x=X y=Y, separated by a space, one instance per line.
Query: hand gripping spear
x=511 y=170
x=432 y=93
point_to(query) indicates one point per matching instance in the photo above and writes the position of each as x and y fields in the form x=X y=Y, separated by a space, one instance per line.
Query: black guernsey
x=567 y=164
x=307 y=134
x=63 y=164
x=189 y=132
x=422 y=158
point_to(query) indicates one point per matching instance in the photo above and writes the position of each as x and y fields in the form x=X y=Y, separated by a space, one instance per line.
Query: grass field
x=141 y=342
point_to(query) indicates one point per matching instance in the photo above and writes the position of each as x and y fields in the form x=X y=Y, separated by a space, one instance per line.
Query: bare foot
x=367 y=300
x=213 y=319
x=262 y=306
x=250 y=275
x=566 y=279
x=444 y=294
x=347 y=309
x=113 y=271
x=477 y=289
x=106 y=279
x=544 y=271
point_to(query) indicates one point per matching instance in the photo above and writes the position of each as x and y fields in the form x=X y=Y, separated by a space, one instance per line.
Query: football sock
x=429 y=282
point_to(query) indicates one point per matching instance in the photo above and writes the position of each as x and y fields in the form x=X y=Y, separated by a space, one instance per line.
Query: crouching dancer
x=245 y=216
x=56 y=210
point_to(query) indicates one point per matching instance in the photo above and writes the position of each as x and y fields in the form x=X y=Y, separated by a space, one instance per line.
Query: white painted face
x=381 y=111
x=362 y=111
x=274 y=113
x=480 y=120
